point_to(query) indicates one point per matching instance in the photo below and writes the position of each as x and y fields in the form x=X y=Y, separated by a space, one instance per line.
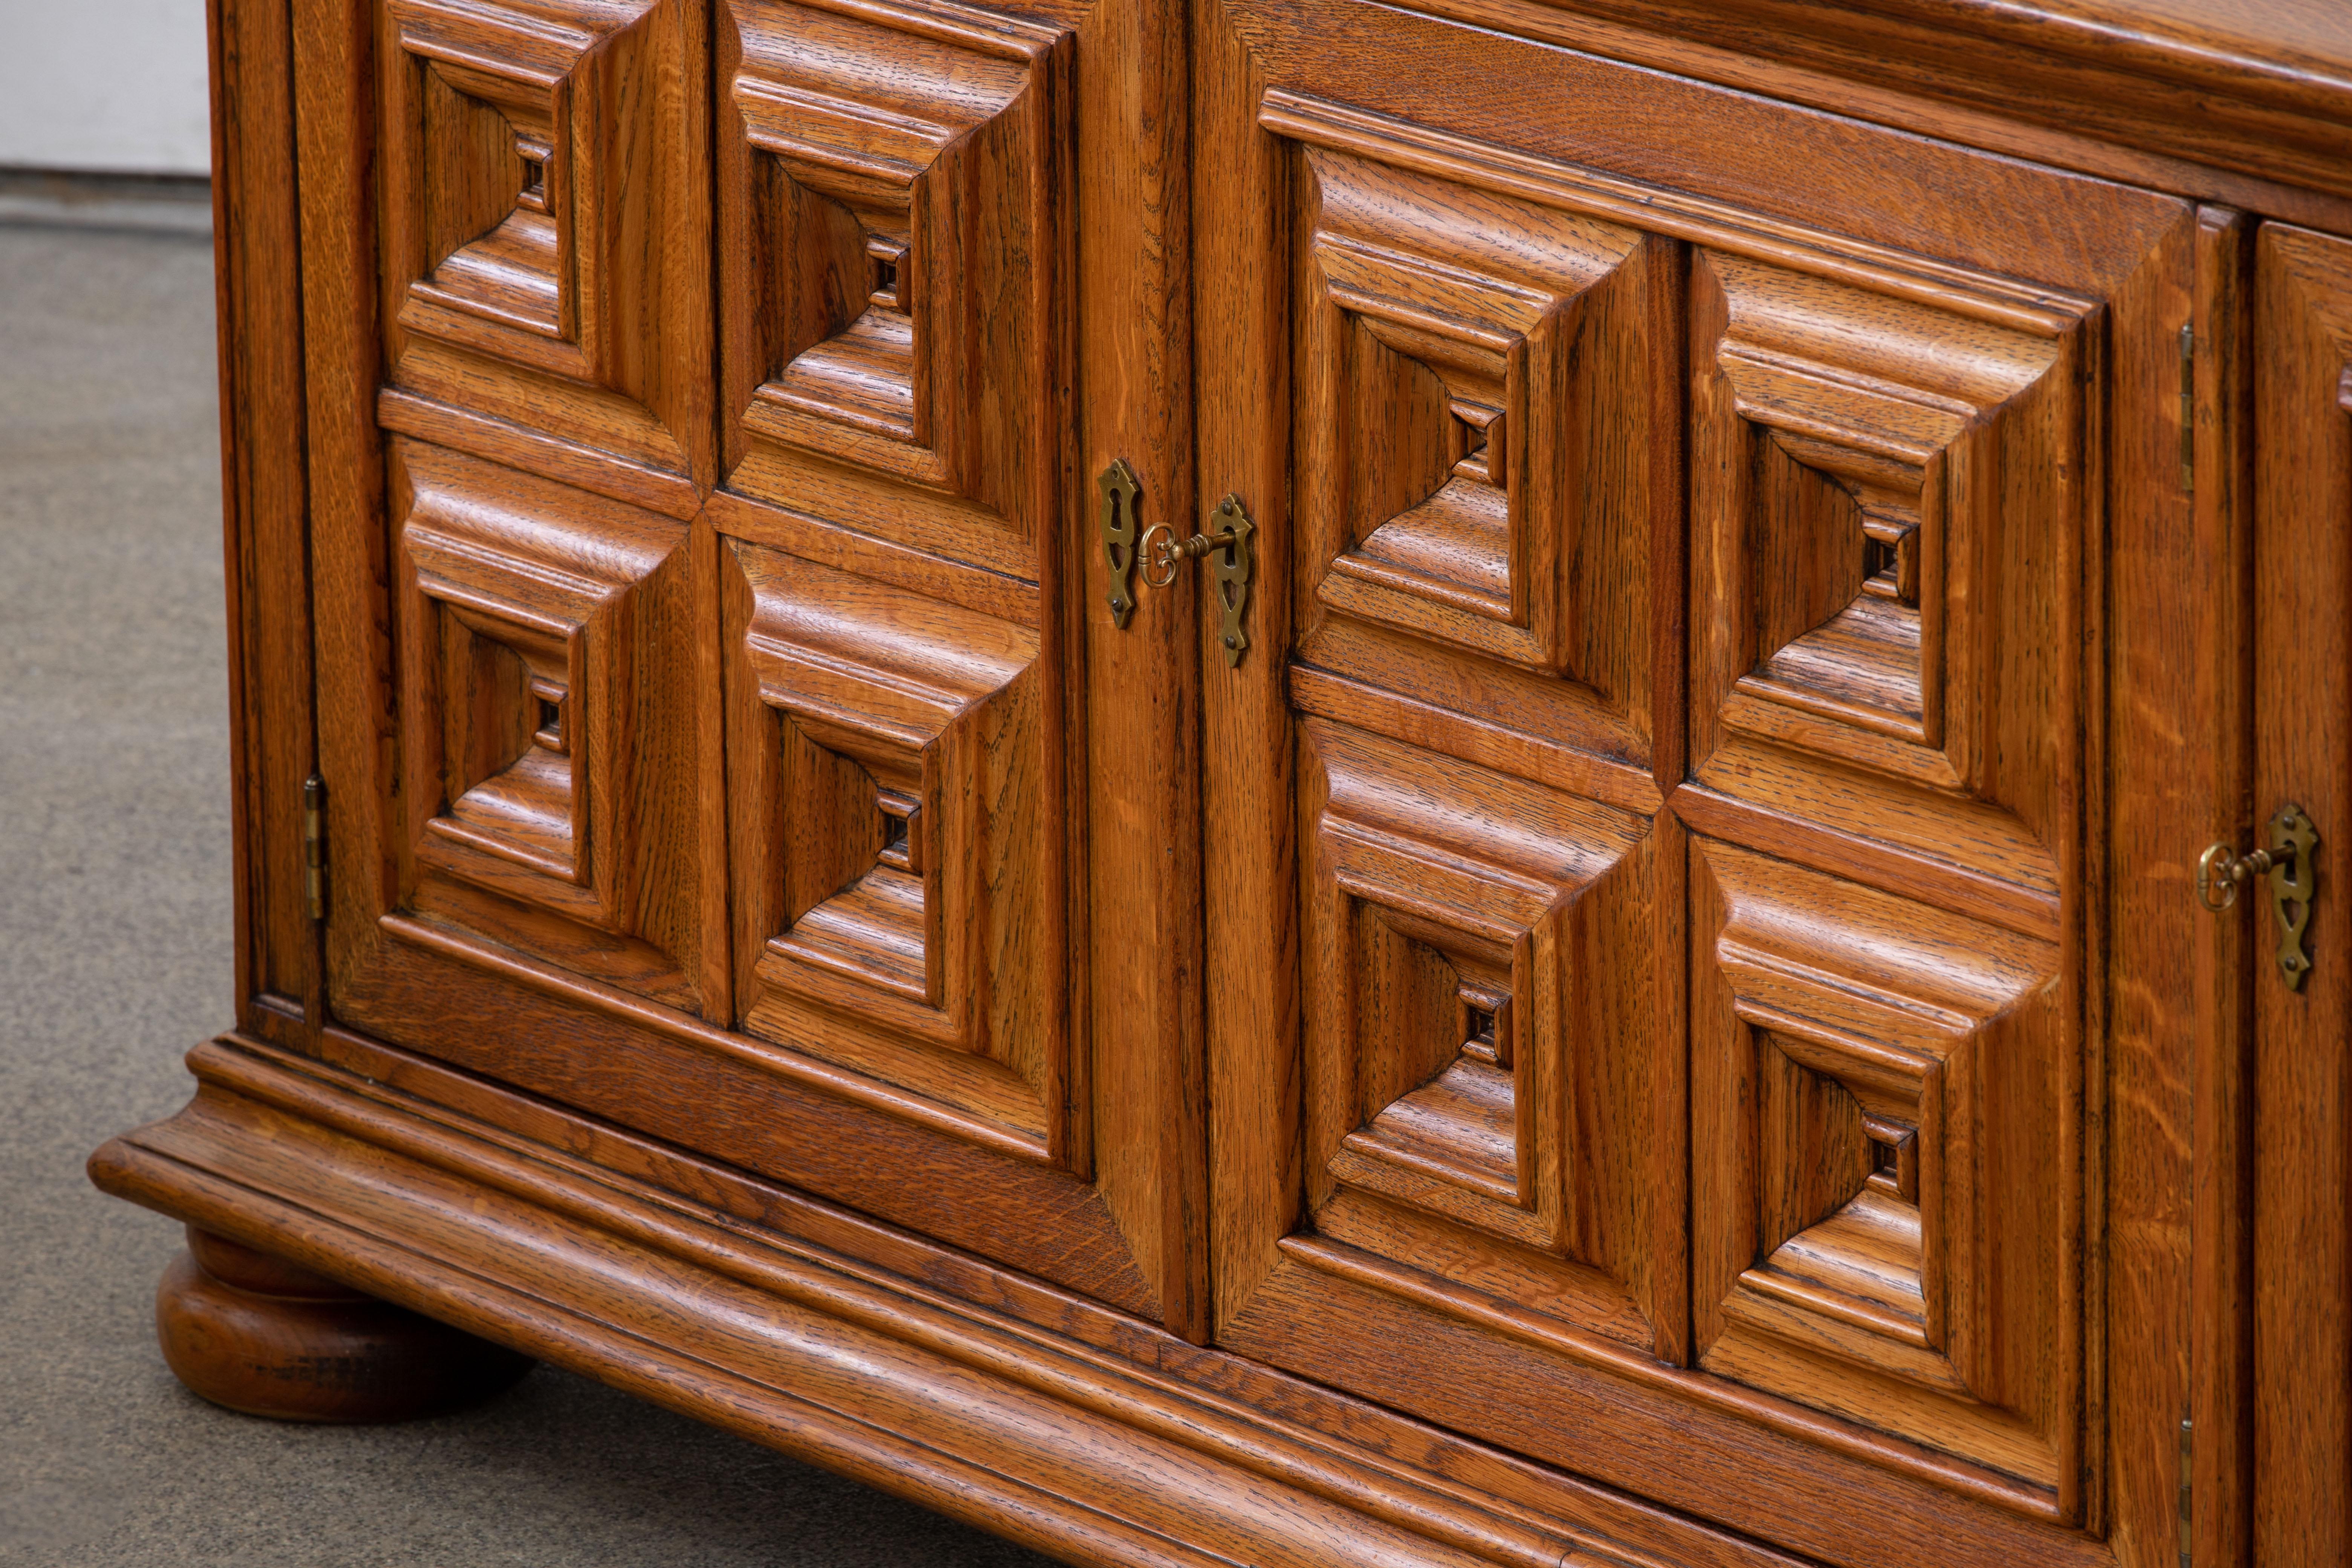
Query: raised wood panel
x=1886 y=513
x=899 y=875
x=748 y=813
x=1679 y=926
x=1484 y=492
x=1492 y=1070
x=553 y=753
x=545 y=227
x=1907 y=436
x=895 y=228
x=1879 y=1103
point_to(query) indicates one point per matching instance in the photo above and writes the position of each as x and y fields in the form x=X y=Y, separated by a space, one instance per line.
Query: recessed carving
x=1885 y=501
x=547 y=730
x=1449 y=338
x=544 y=213
x=893 y=210
x=896 y=858
x=1469 y=1067
x=1880 y=1132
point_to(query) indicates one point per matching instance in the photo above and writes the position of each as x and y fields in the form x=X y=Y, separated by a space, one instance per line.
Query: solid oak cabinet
x=1305 y=780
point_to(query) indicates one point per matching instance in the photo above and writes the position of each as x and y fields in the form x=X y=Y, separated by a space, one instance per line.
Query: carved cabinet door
x=710 y=705
x=1663 y=871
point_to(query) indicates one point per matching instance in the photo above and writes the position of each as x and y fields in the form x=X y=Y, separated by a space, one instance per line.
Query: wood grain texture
x=1680 y=935
x=258 y=305
x=262 y=1336
x=2228 y=954
x=2303 y=1075
x=896 y=804
x=546 y=220
x=1880 y=689
x=1107 y=1439
x=2250 y=84
x=531 y=761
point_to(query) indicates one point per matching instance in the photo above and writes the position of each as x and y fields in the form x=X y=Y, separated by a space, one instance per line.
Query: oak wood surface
x=262 y=1336
x=2302 y=1393
x=532 y=777
x=1842 y=388
x=1658 y=1014
x=1098 y=1436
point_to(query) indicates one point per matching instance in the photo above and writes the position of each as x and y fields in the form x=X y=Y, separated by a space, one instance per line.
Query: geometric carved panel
x=539 y=185
x=1883 y=1131
x=1485 y=1056
x=894 y=212
x=1463 y=357
x=896 y=875
x=546 y=731
x=1886 y=501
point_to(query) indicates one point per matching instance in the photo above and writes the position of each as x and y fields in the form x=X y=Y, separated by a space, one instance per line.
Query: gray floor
x=115 y=957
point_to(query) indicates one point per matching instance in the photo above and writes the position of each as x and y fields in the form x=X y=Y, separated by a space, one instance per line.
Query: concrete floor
x=115 y=957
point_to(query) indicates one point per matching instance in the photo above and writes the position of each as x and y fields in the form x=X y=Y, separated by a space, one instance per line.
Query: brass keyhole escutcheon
x=1226 y=545
x=2289 y=869
x=1119 y=494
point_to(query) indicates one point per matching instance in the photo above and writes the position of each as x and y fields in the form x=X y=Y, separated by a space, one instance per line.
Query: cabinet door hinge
x=2188 y=1473
x=314 y=847
x=2189 y=408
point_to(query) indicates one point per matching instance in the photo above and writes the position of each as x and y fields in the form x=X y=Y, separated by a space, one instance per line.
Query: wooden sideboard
x=1421 y=782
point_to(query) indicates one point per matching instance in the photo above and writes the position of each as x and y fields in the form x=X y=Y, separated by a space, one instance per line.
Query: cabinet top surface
x=2259 y=87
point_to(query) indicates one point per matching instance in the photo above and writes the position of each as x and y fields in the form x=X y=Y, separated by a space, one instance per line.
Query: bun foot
x=257 y=1334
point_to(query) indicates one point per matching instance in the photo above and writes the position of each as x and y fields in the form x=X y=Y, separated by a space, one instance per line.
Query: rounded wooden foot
x=257 y=1334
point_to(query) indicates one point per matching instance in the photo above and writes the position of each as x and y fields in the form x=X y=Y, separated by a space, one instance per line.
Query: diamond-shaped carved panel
x=1886 y=506
x=1462 y=354
x=898 y=860
x=543 y=224
x=1492 y=1033
x=894 y=213
x=1884 y=1124
x=548 y=726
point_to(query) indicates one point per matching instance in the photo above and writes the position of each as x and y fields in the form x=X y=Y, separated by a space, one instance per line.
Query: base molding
x=1044 y=1418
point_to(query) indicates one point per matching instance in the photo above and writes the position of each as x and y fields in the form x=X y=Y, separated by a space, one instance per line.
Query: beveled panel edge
x=896 y=1371
x=767 y=1056
x=537 y=452
x=1729 y=224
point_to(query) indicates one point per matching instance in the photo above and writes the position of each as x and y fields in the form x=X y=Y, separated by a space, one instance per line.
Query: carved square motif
x=896 y=856
x=1880 y=1141
x=1453 y=344
x=547 y=731
x=1886 y=500
x=1491 y=1032
x=490 y=194
x=1442 y=1106
x=1850 y=1190
x=542 y=209
x=895 y=209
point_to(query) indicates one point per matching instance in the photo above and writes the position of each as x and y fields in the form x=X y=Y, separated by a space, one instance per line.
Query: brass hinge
x=2188 y=1471
x=314 y=847
x=2189 y=408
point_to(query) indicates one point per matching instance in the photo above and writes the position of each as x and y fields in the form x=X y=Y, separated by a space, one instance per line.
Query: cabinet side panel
x=260 y=301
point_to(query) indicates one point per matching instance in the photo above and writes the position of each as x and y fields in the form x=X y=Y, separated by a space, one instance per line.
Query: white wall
x=104 y=84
